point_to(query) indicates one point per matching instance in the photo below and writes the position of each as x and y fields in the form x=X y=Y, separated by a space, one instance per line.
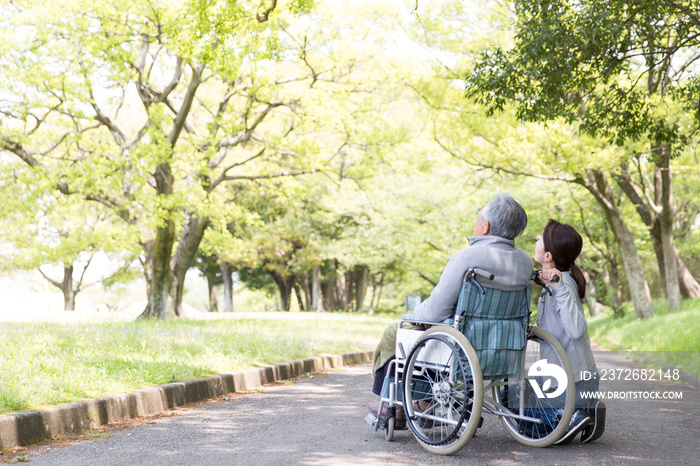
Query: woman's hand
x=551 y=276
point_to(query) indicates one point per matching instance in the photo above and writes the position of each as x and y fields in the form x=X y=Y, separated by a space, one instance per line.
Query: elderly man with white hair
x=492 y=248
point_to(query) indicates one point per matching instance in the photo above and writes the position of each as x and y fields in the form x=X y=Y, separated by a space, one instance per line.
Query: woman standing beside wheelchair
x=561 y=314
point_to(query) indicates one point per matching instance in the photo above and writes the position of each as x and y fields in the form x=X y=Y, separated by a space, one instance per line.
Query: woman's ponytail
x=577 y=274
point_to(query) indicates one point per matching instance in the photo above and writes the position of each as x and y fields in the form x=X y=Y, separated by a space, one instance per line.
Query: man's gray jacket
x=512 y=269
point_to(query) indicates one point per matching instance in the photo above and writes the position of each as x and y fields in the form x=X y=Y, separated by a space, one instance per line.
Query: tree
x=621 y=71
x=208 y=266
x=555 y=154
x=42 y=229
x=148 y=109
x=323 y=233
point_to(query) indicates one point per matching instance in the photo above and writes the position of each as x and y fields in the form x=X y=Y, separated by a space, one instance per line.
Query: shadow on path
x=320 y=421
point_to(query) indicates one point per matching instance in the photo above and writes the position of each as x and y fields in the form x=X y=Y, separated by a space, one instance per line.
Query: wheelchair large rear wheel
x=541 y=381
x=442 y=390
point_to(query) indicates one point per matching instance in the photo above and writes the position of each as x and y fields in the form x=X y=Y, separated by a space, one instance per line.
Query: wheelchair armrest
x=417 y=320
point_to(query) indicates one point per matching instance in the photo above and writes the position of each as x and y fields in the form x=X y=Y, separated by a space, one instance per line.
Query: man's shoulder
x=478 y=255
x=492 y=243
x=522 y=253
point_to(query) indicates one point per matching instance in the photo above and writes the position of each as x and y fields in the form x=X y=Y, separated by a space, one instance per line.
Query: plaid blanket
x=495 y=323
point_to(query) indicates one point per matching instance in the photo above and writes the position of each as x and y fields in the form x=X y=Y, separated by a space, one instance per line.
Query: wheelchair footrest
x=373 y=420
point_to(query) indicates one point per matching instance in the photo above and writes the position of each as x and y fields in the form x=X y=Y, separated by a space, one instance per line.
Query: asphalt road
x=320 y=421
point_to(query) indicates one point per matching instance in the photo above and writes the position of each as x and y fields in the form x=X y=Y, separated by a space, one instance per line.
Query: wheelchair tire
x=555 y=419
x=389 y=428
x=453 y=389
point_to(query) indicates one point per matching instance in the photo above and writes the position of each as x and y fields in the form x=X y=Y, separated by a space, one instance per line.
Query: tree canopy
x=331 y=150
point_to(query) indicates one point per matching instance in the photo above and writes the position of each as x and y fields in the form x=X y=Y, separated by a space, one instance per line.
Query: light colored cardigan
x=562 y=315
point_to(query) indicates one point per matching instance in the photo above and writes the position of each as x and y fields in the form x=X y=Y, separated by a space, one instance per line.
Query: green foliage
x=673 y=338
x=605 y=66
x=667 y=331
x=327 y=133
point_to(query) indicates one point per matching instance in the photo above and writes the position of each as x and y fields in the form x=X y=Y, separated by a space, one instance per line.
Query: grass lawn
x=672 y=338
x=45 y=364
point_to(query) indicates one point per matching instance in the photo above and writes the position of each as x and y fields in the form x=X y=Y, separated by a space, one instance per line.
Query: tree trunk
x=306 y=286
x=350 y=290
x=655 y=232
x=639 y=289
x=160 y=303
x=328 y=303
x=187 y=247
x=361 y=273
x=616 y=284
x=228 y=285
x=659 y=215
x=381 y=288
x=147 y=275
x=663 y=188
x=285 y=298
x=594 y=307
x=689 y=286
x=376 y=285
x=370 y=309
x=597 y=184
x=163 y=296
x=285 y=285
x=213 y=300
x=67 y=288
x=316 y=291
x=297 y=292
x=340 y=290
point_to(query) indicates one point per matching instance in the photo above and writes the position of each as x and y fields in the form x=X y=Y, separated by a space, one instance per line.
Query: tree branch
x=184 y=111
x=582 y=217
x=17 y=149
x=263 y=16
x=644 y=210
x=141 y=88
x=53 y=282
x=692 y=14
x=117 y=134
x=267 y=177
x=420 y=274
x=163 y=96
x=82 y=275
x=223 y=175
x=231 y=141
x=506 y=170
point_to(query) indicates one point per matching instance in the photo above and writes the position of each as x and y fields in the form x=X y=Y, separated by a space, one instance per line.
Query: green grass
x=49 y=363
x=672 y=338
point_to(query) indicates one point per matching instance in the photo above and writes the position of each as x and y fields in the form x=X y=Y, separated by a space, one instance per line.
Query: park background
x=193 y=187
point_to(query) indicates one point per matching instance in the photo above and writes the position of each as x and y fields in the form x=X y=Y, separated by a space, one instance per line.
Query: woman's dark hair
x=564 y=243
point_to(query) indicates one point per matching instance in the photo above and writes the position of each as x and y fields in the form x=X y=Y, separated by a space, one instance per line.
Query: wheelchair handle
x=470 y=276
x=536 y=278
x=473 y=271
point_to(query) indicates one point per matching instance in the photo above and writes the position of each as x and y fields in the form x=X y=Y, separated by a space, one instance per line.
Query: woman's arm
x=570 y=311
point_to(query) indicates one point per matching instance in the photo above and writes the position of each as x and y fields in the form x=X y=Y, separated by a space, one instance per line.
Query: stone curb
x=30 y=427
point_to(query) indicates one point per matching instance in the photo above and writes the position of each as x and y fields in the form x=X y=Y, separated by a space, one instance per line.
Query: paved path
x=320 y=421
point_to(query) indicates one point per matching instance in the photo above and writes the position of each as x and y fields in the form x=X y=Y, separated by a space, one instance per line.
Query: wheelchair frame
x=442 y=366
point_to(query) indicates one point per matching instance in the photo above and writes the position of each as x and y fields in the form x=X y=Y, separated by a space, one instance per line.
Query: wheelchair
x=488 y=359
